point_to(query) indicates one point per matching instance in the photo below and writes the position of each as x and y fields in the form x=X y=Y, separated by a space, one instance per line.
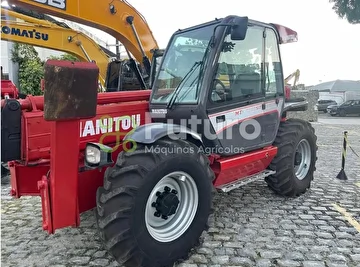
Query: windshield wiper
x=178 y=88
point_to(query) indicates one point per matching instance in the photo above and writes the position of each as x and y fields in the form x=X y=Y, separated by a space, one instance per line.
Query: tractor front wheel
x=155 y=203
x=296 y=158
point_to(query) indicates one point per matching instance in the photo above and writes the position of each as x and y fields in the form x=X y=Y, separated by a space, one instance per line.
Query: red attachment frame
x=52 y=177
x=37 y=102
x=8 y=89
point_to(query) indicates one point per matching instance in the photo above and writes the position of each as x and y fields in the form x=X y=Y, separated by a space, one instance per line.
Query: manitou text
x=107 y=124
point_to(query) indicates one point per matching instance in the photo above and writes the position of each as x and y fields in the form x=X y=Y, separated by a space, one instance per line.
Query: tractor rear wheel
x=154 y=204
x=296 y=158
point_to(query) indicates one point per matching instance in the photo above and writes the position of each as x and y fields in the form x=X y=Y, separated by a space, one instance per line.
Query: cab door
x=244 y=111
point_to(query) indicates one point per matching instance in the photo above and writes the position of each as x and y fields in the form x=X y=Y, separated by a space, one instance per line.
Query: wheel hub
x=166 y=203
x=302 y=159
x=298 y=158
x=171 y=206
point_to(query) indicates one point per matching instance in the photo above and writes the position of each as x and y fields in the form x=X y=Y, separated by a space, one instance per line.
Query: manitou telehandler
x=156 y=199
x=193 y=135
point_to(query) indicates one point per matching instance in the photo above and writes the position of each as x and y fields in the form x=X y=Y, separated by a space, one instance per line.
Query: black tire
x=342 y=113
x=284 y=181
x=4 y=171
x=121 y=203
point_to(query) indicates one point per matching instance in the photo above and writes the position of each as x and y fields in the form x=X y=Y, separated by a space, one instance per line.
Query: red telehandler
x=151 y=164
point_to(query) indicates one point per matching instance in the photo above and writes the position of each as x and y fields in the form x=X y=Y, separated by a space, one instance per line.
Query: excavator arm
x=115 y=17
x=296 y=75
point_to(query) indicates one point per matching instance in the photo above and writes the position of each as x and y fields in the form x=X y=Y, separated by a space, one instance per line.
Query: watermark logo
x=191 y=150
x=211 y=129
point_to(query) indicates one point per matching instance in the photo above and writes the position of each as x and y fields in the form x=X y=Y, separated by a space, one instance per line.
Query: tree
x=31 y=68
x=65 y=57
x=349 y=9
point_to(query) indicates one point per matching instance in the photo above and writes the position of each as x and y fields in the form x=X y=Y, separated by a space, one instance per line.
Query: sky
x=328 y=47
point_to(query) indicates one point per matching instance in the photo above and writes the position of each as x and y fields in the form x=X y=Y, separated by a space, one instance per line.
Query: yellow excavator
x=117 y=18
x=295 y=75
x=48 y=35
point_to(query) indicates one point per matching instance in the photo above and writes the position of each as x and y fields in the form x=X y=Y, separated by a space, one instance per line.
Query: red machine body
x=8 y=89
x=52 y=153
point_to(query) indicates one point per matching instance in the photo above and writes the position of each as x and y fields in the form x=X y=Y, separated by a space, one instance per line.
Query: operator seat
x=245 y=84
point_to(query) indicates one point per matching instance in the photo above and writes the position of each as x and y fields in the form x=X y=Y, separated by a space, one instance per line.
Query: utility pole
x=118 y=49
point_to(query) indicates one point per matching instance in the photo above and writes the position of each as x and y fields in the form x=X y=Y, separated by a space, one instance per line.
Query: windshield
x=184 y=51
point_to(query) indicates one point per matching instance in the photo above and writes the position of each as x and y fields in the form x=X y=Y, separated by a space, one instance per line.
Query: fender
x=296 y=104
x=150 y=133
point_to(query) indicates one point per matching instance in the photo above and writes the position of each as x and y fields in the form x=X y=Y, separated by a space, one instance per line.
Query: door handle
x=220 y=118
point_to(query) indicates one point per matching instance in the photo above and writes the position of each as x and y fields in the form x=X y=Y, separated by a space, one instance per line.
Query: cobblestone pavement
x=251 y=226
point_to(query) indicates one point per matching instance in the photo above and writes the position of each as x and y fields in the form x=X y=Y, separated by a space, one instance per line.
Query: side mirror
x=239 y=29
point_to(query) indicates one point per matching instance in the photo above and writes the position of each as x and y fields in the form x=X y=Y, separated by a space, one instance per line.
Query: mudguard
x=149 y=133
x=296 y=104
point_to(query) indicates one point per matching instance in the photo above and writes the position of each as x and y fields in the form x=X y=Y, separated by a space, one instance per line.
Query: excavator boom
x=115 y=17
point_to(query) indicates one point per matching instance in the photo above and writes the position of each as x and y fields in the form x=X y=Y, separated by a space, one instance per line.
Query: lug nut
x=154 y=204
x=158 y=193
x=167 y=189
x=157 y=214
x=174 y=191
x=164 y=217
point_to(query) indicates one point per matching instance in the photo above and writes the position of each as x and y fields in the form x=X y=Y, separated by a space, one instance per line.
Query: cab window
x=274 y=83
x=239 y=70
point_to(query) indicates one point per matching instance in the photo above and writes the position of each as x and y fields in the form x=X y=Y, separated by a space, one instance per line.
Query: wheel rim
x=302 y=159
x=169 y=228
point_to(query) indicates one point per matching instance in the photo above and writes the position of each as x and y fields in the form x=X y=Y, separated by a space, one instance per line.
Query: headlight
x=92 y=154
x=97 y=155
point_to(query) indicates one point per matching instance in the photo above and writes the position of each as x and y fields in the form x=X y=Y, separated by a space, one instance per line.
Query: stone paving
x=250 y=227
